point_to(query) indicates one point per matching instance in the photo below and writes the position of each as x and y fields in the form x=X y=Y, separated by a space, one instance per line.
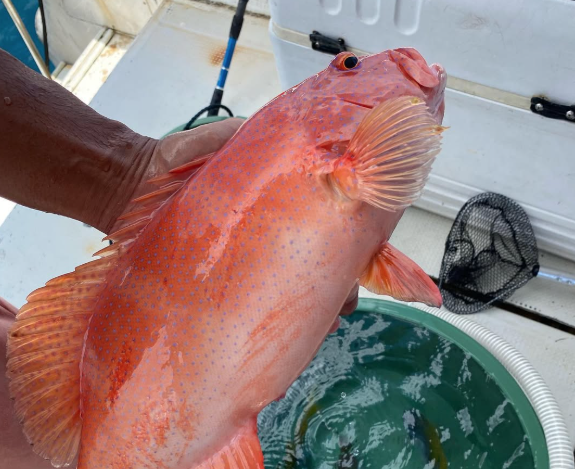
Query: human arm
x=60 y=156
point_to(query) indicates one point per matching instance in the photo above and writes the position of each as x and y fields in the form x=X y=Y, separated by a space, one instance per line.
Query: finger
x=176 y=150
x=334 y=327
x=351 y=302
x=349 y=306
x=7 y=309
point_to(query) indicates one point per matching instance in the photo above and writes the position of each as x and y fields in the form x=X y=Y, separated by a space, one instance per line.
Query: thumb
x=178 y=149
x=351 y=301
x=7 y=309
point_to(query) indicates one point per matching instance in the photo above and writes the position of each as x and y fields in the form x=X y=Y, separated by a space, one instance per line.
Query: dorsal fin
x=46 y=341
x=166 y=184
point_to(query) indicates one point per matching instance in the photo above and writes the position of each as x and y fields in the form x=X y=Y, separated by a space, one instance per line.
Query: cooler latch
x=552 y=110
x=326 y=44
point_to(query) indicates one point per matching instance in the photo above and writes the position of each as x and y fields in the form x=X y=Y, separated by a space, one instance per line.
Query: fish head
x=352 y=85
x=337 y=110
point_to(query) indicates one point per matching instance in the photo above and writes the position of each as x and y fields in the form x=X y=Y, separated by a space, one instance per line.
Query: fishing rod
x=235 y=30
x=43 y=64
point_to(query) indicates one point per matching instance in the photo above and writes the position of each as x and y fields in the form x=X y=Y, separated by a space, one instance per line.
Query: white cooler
x=498 y=55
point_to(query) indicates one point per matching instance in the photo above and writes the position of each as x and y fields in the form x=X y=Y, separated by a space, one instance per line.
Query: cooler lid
x=525 y=47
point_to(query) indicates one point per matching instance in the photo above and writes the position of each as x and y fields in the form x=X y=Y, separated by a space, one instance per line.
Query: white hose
x=543 y=402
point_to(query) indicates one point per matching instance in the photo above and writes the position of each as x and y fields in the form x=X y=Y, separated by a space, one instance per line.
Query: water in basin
x=386 y=392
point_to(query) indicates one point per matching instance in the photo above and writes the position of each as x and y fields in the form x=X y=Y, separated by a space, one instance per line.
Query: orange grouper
x=222 y=284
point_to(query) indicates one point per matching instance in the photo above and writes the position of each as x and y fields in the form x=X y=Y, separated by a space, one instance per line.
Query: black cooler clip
x=552 y=110
x=326 y=44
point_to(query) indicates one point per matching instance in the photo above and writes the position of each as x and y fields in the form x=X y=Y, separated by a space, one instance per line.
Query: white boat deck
x=165 y=76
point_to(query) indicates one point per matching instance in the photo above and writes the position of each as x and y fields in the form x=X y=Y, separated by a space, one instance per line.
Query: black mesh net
x=490 y=252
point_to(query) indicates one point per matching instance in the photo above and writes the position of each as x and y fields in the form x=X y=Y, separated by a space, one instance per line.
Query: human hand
x=160 y=156
x=351 y=302
x=348 y=307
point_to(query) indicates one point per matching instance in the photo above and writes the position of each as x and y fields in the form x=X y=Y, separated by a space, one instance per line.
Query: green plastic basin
x=396 y=387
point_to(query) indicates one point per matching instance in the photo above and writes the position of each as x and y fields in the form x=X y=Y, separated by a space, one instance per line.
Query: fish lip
x=438 y=101
x=441 y=75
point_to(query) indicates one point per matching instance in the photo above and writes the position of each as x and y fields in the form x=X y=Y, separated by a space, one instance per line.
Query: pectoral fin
x=392 y=273
x=389 y=157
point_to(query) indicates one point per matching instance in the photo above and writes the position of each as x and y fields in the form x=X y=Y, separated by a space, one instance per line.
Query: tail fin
x=46 y=341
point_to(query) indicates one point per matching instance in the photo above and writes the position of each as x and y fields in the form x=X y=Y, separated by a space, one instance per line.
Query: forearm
x=59 y=155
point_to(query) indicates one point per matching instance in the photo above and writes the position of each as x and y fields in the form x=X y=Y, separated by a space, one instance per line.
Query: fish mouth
x=435 y=102
x=356 y=103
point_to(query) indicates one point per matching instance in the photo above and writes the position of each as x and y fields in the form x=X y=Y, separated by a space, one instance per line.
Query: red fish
x=221 y=286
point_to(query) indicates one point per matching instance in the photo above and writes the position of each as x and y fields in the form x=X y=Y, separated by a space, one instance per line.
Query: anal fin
x=243 y=452
x=392 y=273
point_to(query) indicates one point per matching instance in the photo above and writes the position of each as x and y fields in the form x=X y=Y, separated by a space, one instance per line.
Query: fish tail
x=46 y=341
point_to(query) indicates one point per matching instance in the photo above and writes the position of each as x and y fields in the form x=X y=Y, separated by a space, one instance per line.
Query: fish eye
x=346 y=61
x=350 y=62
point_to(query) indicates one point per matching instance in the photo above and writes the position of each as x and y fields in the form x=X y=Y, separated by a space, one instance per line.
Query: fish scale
x=221 y=286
